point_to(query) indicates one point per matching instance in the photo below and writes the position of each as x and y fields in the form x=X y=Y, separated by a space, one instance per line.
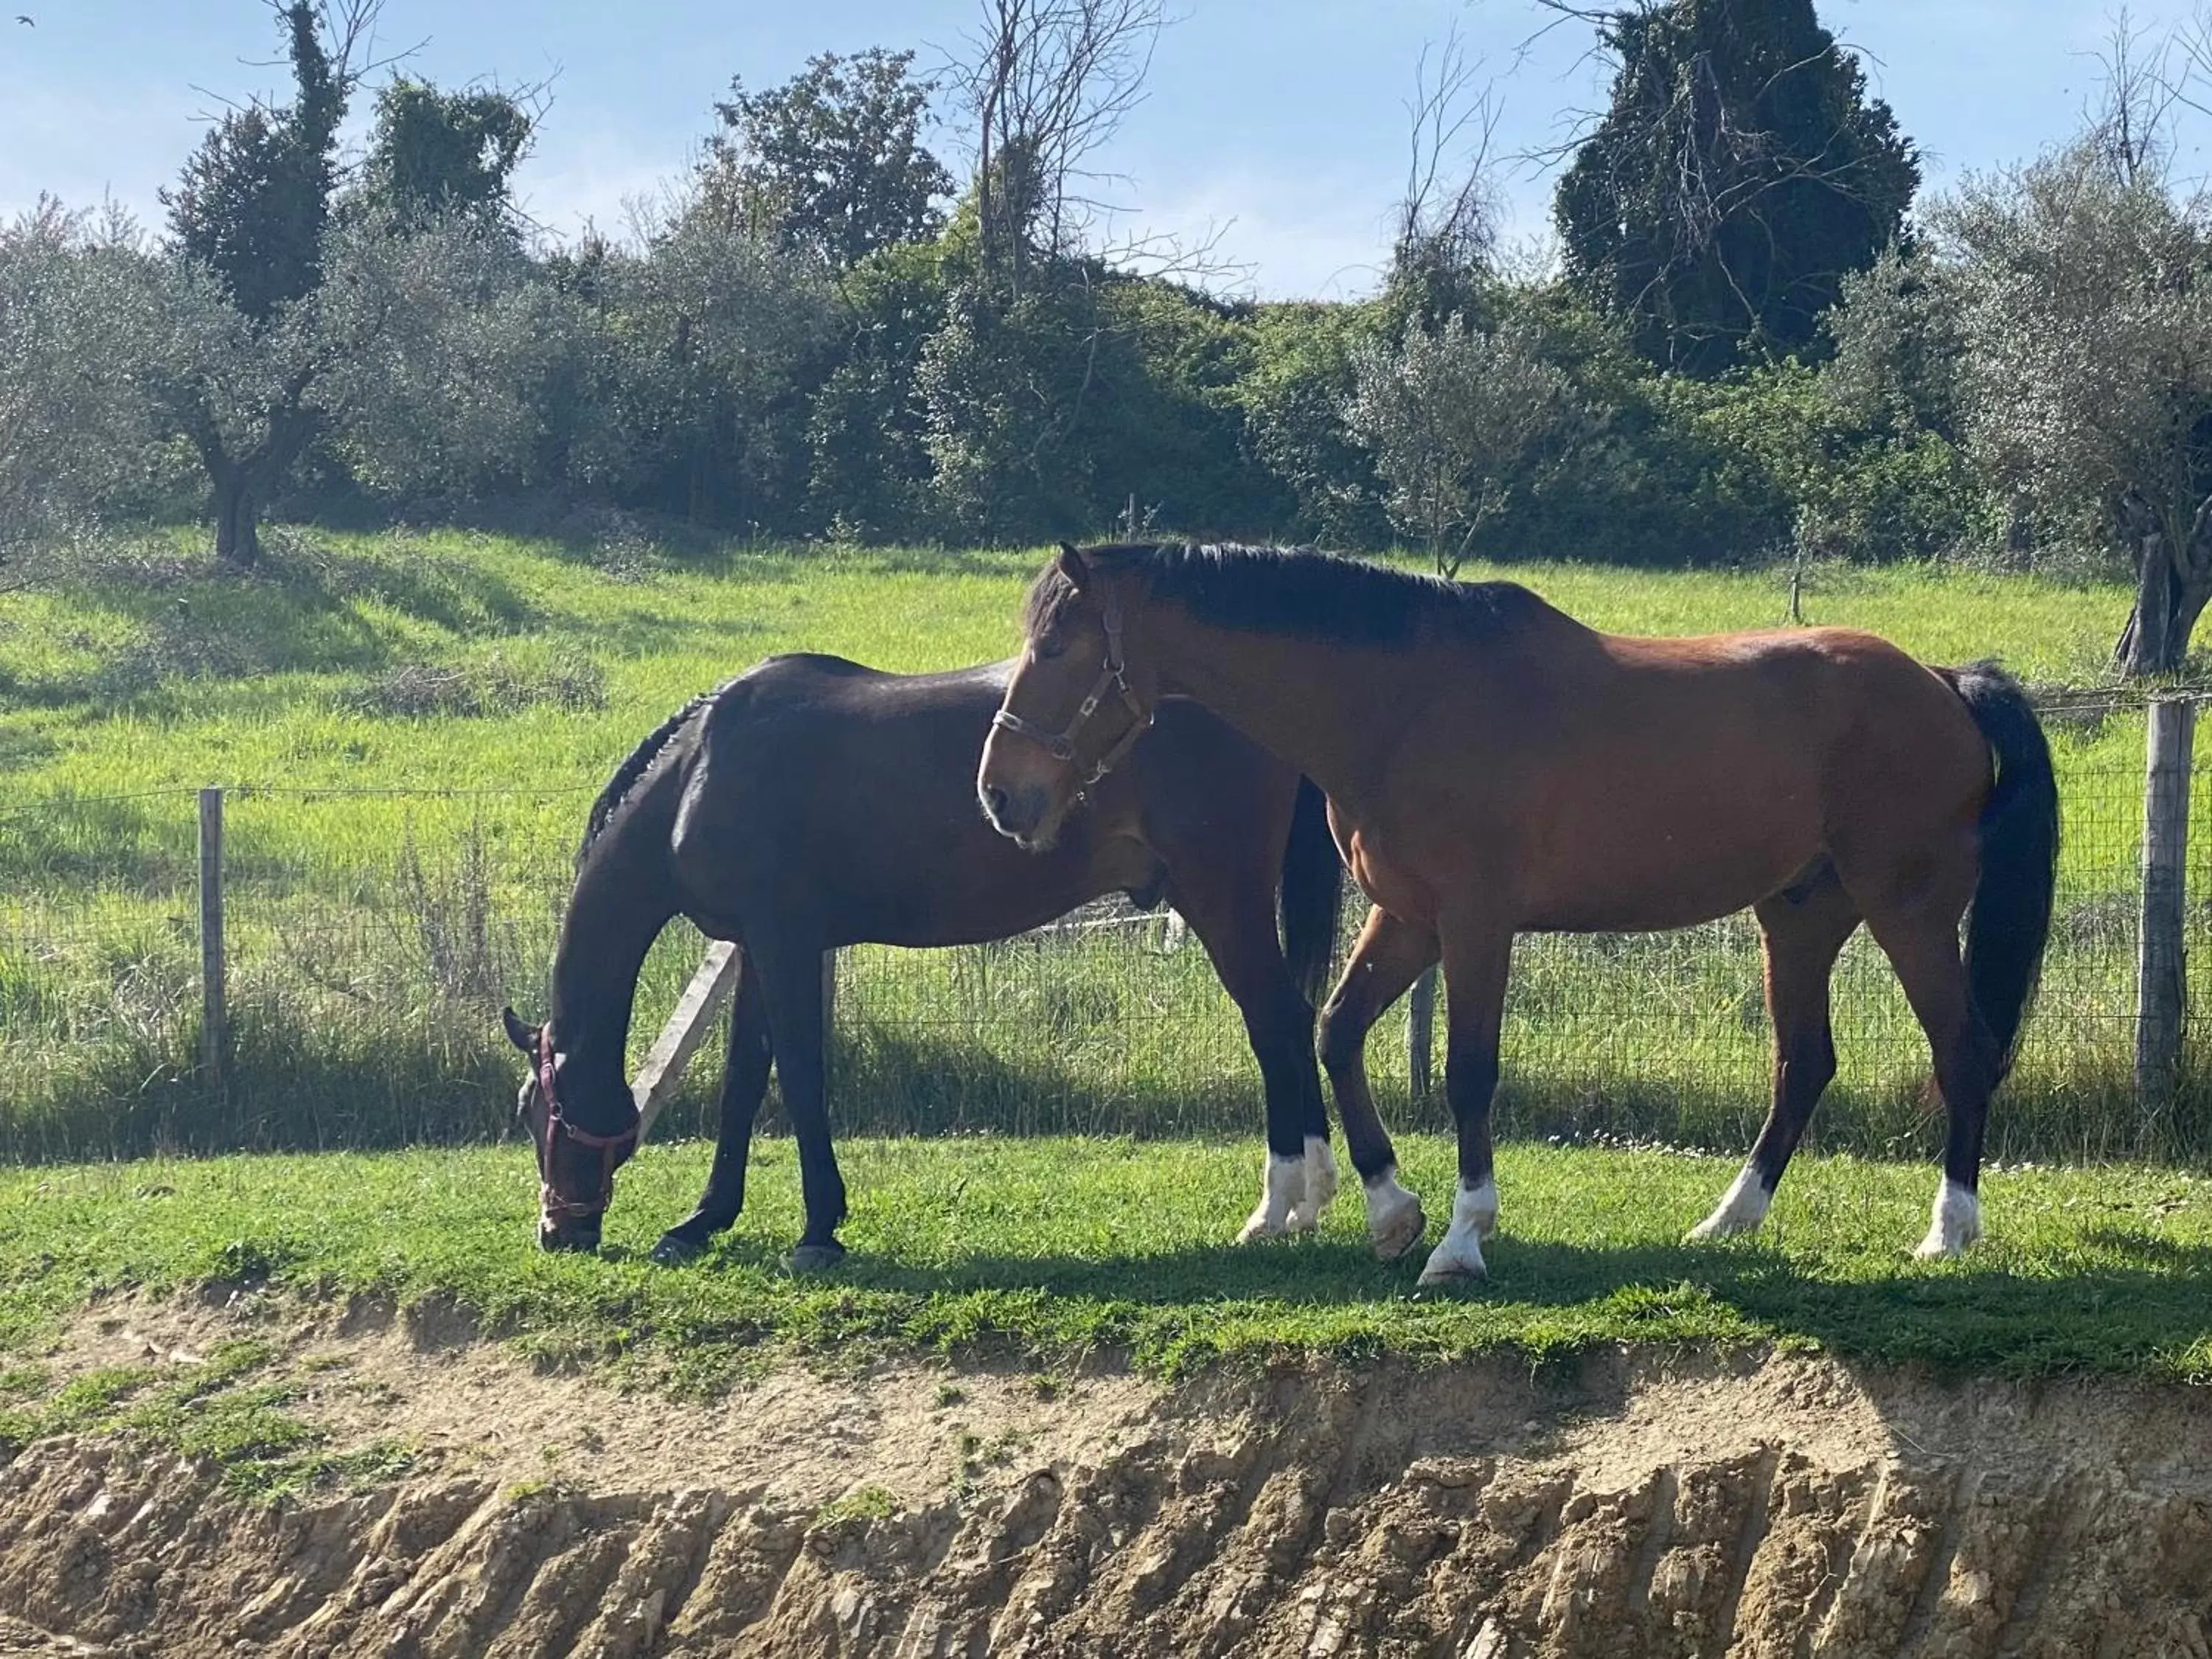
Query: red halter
x=610 y=1148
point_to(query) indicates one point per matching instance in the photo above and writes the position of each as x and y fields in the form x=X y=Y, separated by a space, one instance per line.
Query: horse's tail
x=627 y=775
x=2010 y=921
x=1313 y=884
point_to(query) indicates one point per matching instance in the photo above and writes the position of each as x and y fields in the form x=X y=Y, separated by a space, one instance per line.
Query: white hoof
x=1321 y=1185
x=1739 y=1212
x=1956 y=1223
x=1475 y=1218
x=1282 y=1188
x=1396 y=1220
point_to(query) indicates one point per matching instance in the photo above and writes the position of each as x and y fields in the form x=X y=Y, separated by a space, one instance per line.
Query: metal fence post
x=214 y=1014
x=1420 y=1032
x=2160 y=984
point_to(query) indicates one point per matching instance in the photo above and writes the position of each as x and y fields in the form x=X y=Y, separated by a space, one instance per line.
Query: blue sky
x=1281 y=126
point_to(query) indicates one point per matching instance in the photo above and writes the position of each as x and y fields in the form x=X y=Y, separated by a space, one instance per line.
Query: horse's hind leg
x=1388 y=957
x=1299 y=1177
x=744 y=1082
x=1802 y=932
x=791 y=983
x=1922 y=944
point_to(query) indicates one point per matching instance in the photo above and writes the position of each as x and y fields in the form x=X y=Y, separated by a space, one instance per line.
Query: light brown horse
x=1494 y=767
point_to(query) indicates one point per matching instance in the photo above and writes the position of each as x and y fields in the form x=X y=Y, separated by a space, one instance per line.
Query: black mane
x=1321 y=596
x=640 y=759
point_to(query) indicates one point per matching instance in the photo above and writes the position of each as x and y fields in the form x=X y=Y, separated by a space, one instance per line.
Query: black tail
x=2010 y=921
x=1313 y=884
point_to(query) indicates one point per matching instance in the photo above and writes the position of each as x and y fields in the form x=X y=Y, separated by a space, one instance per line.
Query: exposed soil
x=1638 y=1506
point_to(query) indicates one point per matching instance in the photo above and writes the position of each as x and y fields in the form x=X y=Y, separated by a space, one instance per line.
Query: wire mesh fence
x=371 y=936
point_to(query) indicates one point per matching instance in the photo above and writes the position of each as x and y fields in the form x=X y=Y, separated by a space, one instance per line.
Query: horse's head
x=1076 y=705
x=582 y=1136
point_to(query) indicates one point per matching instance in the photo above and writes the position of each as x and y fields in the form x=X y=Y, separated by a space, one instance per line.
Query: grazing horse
x=1494 y=767
x=812 y=803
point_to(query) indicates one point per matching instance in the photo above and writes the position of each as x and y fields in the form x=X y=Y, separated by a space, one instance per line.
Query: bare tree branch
x=1049 y=83
x=2129 y=119
x=1447 y=225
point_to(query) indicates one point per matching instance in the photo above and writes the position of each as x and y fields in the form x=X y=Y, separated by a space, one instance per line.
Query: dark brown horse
x=813 y=803
x=1493 y=767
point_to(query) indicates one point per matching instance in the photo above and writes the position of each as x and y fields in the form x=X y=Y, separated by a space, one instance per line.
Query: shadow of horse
x=2012 y=1320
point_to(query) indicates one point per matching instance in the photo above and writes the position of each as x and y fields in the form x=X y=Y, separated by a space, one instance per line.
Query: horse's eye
x=1050 y=645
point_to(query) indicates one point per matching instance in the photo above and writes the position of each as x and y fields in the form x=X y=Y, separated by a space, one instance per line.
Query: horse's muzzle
x=581 y=1235
x=1015 y=813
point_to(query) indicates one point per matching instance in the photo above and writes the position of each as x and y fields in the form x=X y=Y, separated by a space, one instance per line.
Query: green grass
x=201 y=677
x=224 y=1409
x=1050 y=1251
x=372 y=936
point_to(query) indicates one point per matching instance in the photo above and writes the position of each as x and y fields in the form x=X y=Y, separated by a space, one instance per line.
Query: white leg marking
x=1282 y=1186
x=1320 y=1185
x=1396 y=1220
x=1739 y=1212
x=1475 y=1218
x=1955 y=1224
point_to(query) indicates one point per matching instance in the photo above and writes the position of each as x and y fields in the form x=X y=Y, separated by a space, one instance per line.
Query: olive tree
x=383 y=344
x=1453 y=418
x=74 y=421
x=2085 y=307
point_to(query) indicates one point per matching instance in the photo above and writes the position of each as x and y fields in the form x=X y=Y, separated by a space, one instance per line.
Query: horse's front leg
x=744 y=1082
x=1389 y=957
x=1477 y=954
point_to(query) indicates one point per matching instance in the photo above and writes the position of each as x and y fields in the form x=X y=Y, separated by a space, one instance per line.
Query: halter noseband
x=1113 y=675
x=610 y=1148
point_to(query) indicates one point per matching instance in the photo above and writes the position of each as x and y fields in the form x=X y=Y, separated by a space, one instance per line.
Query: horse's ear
x=517 y=1033
x=1073 y=566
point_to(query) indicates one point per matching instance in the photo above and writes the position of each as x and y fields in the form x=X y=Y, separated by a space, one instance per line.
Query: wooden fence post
x=2160 y=985
x=679 y=1039
x=214 y=1009
x=1420 y=1032
x=687 y=1027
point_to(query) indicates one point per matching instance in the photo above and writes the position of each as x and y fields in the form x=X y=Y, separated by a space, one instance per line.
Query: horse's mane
x=1295 y=591
x=640 y=759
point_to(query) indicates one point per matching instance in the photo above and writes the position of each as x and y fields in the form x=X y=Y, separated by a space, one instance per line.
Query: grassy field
x=1045 y=1250
x=417 y=723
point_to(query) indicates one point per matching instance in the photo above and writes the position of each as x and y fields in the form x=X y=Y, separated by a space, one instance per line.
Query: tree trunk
x=237 y=533
x=2173 y=581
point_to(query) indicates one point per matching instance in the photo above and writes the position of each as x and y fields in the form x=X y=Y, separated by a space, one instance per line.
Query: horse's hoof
x=1452 y=1275
x=1399 y=1233
x=816 y=1258
x=674 y=1250
x=1256 y=1228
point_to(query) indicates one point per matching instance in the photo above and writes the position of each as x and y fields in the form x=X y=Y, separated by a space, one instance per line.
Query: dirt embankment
x=1641 y=1507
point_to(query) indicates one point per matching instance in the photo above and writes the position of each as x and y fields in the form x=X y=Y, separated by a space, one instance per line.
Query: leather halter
x=611 y=1149
x=1113 y=675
